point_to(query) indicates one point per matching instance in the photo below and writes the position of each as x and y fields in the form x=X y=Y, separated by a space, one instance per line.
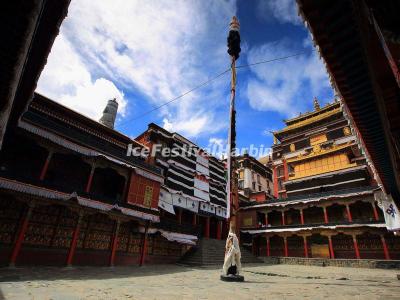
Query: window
x=258 y=178
x=259 y=188
x=280 y=171
x=323 y=165
x=241 y=184
x=241 y=174
x=254 y=186
x=280 y=185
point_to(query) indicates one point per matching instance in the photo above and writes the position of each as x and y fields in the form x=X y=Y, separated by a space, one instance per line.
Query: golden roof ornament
x=316 y=104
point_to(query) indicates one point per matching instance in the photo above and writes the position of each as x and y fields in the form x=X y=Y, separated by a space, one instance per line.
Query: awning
x=84 y=150
x=26 y=188
x=179 y=237
x=333 y=227
x=310 y=200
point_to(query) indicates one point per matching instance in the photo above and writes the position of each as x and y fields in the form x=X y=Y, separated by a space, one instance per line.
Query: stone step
x=212 y=252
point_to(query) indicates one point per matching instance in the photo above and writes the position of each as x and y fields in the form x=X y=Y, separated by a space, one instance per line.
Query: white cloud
x=217 y=147
x=160 y=49
x=67 y=80
x=287 y=85
x=268 y=131
x=217 y=141
x=284 y=11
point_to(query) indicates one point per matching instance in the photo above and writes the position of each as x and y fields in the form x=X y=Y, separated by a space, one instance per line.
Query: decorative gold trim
x=346 y=131
x=319 y=152
x=310 y=120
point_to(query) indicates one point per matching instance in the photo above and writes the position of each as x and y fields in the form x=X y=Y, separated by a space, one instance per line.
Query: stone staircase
x=211 y=252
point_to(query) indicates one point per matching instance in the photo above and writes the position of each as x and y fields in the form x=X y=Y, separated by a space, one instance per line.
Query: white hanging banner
x=201 y=184
x=390 y=210
x=179 y=200
x=201 y=194
x=200 y=159
x=220 y=212
x=192 y=205
x=203 y=170
x=165 y=202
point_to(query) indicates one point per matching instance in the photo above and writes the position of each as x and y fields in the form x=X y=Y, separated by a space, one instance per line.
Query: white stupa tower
x=109 y=113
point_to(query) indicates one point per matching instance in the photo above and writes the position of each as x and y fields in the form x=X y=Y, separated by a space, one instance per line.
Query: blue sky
x=145 y=53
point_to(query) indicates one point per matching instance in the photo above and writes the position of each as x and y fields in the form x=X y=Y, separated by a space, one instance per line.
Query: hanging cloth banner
x=220 y=212
x=165 y=202
x=192 y=205
x=390 y=210
x=179 y=200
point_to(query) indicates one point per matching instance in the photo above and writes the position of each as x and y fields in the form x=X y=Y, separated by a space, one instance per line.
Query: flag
x=390 y=210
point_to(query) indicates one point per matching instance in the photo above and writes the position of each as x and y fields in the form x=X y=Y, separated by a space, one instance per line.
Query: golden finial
x=316 y=104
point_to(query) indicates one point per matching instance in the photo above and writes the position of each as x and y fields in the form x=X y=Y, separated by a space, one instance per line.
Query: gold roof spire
x=316 y=104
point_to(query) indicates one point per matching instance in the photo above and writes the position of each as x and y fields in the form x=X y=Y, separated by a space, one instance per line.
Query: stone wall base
x=324 y=262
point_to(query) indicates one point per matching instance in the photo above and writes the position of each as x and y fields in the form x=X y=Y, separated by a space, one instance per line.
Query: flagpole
x=232 y=184
x=232 y=201
x=232 y=268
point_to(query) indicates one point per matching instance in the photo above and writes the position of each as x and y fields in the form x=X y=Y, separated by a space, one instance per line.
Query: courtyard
x=180 y=282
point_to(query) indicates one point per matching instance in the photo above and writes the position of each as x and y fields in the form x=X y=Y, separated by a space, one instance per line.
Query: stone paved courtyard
x=178 y=282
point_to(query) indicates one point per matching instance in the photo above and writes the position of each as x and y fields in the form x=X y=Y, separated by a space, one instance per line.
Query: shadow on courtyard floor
x=79 y=273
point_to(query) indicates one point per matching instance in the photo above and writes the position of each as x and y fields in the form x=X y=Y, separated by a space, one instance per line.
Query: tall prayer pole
x=232 y=266
x=232 y=182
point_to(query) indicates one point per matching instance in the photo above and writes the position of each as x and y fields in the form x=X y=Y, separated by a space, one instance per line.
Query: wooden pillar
x=46 y=165
x=194 y=220
x=90 y=179
x=144 y=245
x=285 y=170
x=385 y=248
x=219 y=229
x=21 y=235
x=283 y=218
x=74 y=240
x=301 y=216
x=207 y=229
x=114 y=243
x=268 y=246
x=326 y=220
x=253 y=245
x=129 y=237
x=376 y=216
x=126 y=187
x=180 y=215
x=331 y=247
x=55 y=231
x=286 y=246
x=349 y=217
x=266 y=219
x=305 y=246
x=275 y=182
x=356 y=246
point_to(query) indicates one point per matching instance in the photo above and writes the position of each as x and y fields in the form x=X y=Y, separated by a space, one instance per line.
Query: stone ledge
x=324 y=262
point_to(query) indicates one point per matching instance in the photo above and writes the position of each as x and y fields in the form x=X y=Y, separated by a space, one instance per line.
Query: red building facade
x=193 y=194
x=325 y=205
x=71 y=196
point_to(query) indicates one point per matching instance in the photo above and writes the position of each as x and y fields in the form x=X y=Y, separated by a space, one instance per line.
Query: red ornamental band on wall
x=143 y=191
